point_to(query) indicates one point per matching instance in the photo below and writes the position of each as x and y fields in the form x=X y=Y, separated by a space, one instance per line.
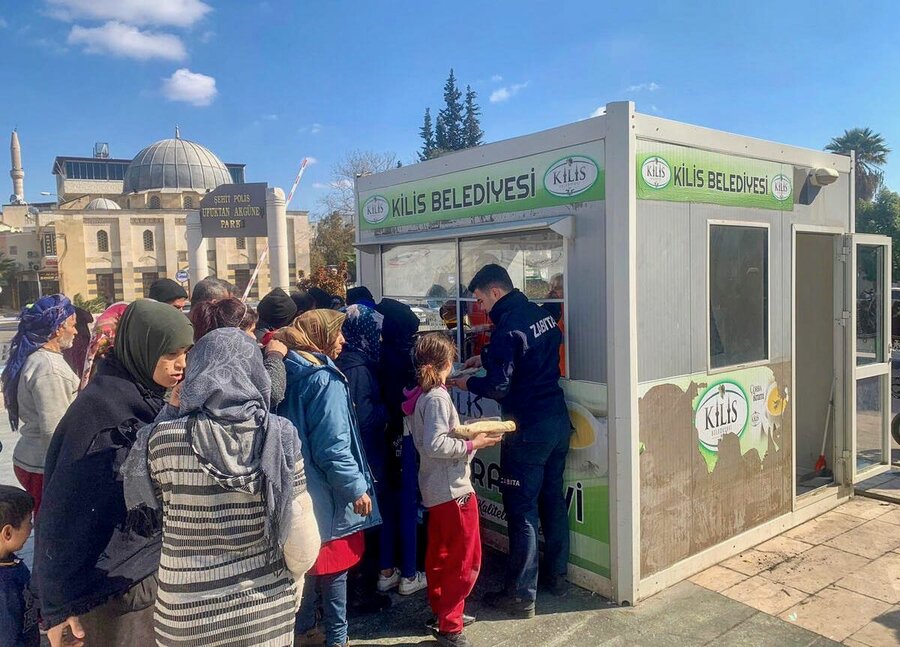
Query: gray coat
x=444 y=468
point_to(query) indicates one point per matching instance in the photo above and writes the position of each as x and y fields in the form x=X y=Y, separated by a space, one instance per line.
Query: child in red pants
x=453 y=559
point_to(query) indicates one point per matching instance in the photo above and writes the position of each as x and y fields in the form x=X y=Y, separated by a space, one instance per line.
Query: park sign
x=564 y=176
x=234 y=211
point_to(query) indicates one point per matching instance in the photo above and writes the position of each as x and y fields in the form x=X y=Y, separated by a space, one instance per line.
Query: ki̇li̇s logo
x=656 y=172
x=571 y=176
x=781 y=187
x=375 y=209
x=723 y=409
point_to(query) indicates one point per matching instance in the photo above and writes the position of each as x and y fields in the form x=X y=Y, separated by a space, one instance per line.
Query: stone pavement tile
x=825 y=527
x=815 y=569
x=883 y=631
x=871 y=539
x=752 y=562
x=866 y=508
x=835 y=613
x=765 y=595
x=718 y=578
x=684 y=614
x=879 y=579
x=891 y=517
x=784 y=545
x=763 y=630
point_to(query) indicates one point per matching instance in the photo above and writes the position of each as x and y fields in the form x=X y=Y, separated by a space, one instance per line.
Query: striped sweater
x=217 y=582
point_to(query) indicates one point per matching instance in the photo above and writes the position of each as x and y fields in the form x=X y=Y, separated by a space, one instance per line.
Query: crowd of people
x=241 y=476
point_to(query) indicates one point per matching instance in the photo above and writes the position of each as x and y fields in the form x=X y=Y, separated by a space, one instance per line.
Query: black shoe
x=371 y=603
x=556 y=586
x=432 y=623
x=453 y=640
x=512 y=606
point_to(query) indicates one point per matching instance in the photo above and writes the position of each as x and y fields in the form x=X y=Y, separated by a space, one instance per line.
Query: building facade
x=118 y=225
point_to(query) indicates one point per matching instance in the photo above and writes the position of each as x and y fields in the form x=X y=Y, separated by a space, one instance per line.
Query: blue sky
x=269 y=82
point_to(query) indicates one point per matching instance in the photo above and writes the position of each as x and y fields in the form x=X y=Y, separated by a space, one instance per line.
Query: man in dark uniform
x=522 y=374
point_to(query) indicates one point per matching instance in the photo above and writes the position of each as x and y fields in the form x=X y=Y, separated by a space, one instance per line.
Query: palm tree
x=871 y=155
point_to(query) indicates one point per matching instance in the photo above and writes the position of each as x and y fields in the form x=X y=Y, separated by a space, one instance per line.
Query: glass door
x=871 y=354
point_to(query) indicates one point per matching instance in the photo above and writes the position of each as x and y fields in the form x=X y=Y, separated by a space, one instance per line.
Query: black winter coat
x=370 y=410
x=83 y=553
x=522 y=362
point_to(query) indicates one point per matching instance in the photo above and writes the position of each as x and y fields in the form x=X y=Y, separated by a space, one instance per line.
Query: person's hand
x=461 y=383
x=486 y=440
x=175 y=395
x=275 y=346
x=473 y=362
x=67 y=634
x=363 y=506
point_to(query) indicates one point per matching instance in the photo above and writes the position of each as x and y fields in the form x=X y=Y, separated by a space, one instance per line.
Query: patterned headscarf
x=314 y=331
x=37 y=324
x=362 y=331
x=102 y=339
x=238 y=442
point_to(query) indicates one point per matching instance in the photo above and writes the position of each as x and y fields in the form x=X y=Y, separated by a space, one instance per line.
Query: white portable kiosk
x=713 y=297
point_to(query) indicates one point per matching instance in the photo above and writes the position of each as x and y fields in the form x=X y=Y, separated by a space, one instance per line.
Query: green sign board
x=679 y=174
x=560 y=177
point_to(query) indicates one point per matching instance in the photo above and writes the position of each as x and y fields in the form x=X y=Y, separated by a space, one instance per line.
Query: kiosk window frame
x=457 y=297
x=731 y=363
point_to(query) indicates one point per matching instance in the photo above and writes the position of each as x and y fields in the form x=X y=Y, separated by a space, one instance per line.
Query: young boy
x=18 y=614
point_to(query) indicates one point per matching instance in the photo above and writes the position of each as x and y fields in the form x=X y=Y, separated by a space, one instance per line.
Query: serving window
x=738 y=295
x=432 y=278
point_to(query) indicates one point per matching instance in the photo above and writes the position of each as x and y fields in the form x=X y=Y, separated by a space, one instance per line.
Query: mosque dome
x=102 y=204
x=176 y=164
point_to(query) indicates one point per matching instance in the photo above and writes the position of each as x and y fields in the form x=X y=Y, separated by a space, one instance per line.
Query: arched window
x=148 y=240
x=154 y=202
x=188 y=202
x=102 y=241
x=240 y=243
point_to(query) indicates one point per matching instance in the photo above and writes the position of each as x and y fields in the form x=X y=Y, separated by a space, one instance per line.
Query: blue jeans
x=532 y=462
x=400 y=515
x=331 y=592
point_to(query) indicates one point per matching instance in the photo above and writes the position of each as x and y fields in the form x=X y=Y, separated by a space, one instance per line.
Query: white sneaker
x=409 y=585
x=385 y=584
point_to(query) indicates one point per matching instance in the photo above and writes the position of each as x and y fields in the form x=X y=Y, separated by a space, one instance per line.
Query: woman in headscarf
x=238 y=526
x=38 y=385
x=318 y=402
x=95 y=573
x=102 y=339
x=76 y=354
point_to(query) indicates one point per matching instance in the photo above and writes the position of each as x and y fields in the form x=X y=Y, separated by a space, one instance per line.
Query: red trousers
x=453 y=559
x=33 y=484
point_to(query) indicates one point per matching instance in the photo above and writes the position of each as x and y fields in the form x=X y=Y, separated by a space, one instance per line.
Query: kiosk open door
x=870 y=355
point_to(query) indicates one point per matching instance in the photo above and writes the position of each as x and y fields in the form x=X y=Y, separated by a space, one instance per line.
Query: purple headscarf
x=37 y=323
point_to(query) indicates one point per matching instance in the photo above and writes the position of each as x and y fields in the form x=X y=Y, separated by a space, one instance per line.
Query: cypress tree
x=427 y=134
x=472 y=132
x=440 y=133
x=452 y=115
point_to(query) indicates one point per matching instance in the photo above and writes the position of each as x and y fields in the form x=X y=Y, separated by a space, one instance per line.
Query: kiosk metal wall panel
x=586 y=301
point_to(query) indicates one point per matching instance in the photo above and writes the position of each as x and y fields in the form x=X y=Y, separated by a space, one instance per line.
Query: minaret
x=17 y=173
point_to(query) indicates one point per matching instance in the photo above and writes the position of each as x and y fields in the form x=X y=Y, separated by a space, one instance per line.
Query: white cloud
x=310 y=160
x=315 y=129
x=207 y=36
x=190 y=87
x=507 y=92
x=598 y=112
x=653 y=86
x=125 y=40
x=496 y=78
x=270 y=117
x=175 y=13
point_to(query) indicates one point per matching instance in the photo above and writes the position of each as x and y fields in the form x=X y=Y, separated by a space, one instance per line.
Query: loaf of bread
x=472 y=429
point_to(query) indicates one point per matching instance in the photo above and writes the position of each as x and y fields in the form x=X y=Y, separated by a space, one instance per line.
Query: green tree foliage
x=332 y=244
x=426 y=132
x=882 y=216
x=472 y=132
x=94 y=306
x=458 y=124
x=871 y=155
